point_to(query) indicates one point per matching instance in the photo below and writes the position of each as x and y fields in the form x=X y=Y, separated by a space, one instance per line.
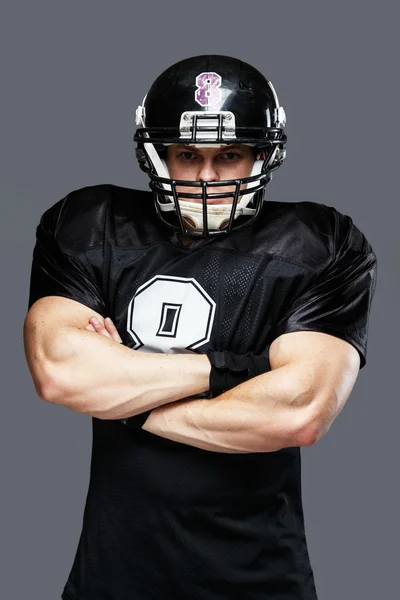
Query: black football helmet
x=210 y=100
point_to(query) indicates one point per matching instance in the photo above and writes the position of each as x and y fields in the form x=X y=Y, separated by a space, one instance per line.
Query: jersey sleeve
x=338 y=299
x=56 y=272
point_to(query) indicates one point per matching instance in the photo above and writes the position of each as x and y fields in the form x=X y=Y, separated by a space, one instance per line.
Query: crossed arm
x=235 y=421
x=293 y=405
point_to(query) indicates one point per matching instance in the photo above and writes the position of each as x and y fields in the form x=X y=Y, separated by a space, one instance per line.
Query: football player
x=243 y=325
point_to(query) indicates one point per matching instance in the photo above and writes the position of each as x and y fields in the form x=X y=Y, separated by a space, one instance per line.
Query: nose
x=207 y=171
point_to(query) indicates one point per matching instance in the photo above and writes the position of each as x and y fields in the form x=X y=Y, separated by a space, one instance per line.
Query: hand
x=108 y=329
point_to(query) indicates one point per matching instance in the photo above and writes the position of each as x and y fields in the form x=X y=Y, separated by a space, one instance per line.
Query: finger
x=99 y=327
x=112 y=329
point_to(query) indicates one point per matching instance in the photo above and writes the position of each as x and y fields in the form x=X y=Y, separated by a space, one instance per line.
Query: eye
x=230 y=156
x=187 y=155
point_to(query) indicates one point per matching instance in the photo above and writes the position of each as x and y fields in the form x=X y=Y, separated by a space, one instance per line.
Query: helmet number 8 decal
x=208 y=91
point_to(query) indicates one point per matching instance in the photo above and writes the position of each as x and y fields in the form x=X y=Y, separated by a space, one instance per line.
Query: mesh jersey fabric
x=164 y=519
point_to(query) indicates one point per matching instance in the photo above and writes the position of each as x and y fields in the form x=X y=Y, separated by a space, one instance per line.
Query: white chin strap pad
x=217 y=214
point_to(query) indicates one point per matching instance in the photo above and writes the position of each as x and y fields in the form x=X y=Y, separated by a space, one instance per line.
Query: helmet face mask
x=209 y=101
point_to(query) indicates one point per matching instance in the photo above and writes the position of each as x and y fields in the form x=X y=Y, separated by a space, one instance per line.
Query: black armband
x=229 y=370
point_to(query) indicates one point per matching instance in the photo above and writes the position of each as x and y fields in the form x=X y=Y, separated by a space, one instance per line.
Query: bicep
x=49 y=318
x=326 y=368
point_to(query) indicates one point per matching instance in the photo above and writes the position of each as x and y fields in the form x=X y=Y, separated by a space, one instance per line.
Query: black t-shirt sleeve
x=338 y=299
x=55 y=273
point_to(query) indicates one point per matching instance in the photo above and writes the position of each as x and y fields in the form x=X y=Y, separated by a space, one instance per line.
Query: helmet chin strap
x=159 y=165
x=192 y=212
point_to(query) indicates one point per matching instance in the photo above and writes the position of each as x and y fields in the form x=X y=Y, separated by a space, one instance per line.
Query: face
x=230 y=161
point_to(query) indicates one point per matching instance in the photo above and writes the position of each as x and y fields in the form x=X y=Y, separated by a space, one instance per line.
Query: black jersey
x=164 y=519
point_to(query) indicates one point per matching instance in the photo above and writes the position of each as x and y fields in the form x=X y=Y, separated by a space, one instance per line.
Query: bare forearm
x=263 y=414
x=97 y=376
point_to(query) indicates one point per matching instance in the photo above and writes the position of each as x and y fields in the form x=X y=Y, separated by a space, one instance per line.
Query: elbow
x=52 y=391
x=41 y=389
x=317 y=418
x=47 y=389
x=307 y=437
x=305 y=434
x=42 y=381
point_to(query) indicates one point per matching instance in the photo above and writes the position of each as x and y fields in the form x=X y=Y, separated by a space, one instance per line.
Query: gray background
x=72 y=74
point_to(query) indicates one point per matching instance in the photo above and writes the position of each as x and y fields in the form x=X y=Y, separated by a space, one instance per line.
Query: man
x=244 y=326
